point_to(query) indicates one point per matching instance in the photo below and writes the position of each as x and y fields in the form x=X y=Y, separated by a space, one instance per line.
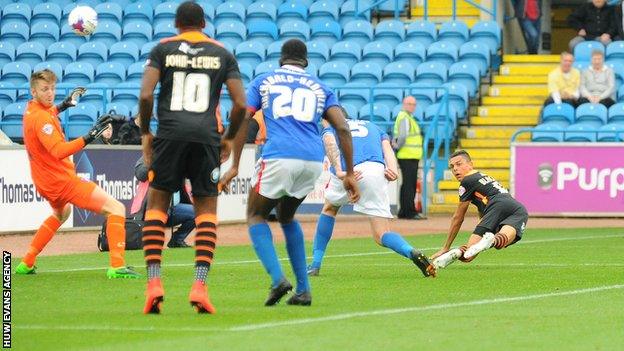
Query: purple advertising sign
x=113 y=171
x=570 y=179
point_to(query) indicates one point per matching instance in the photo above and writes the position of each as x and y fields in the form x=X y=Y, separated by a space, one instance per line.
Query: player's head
x=294 y=52
x=460 y=164
x=409 y=104
x=189 y=16
x=43 y=86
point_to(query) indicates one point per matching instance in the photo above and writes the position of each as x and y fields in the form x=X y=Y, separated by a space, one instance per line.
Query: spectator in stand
x=598 y=82
x=592 y=21
x=529 y=14
x=130 y=132
x=564 y=82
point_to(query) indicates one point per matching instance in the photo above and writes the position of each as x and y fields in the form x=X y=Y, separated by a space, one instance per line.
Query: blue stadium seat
x=366 y=73
x=386 y=94
x=14 y=33
x=379 y=52
x=453 y=31
x=583 y=50
x=458 y=98
x=260 y=11
x=323 y=10
x=246 y=3
x=312 y=69
x=545 y=133
x=90 y=3
x=46 y=11
x=146 y=49
x=419 y=113
x=30 y=3
x=291 y=11
x=79 y=73
x=62 y=53
x=274 y=50
x=347 y=52
x=423 y=32
x=379 y=114
x=119 y=109
x=246 y=72
x=411 y=52
x=250 y=52
x=109 y=12
x=619 y=74
x=213 y=3
x=615 y=52
x=110 y=73
x=66 y=10
x=229 y=12
x=164 y=30
x=93 y=53
x=354 y=94
x=616 y=113
x=53 y=66
x=135 y=72
x=391 y=31
x=209 y=11
x=348 y=13
x=68 y=35
x=30 y=52
x=475 y=53
x=466 y=74
x=399 y=73
x=329 y=32
x=16 y=13
x=318 y=52
x=80 y=119
x=16 y=73
x=12 y=120
x=7 y=53
x=264 y=67
x=390 y=6
x=275 y=3
x=562 y=114
x=611 y=132
x=581 y=65
x=97 y=95
x=127 y=93
x=444 y=52
x=62 y=89
x=487 y=32
x=165 y=13
x=138 y=32
x=358 y=31
x=439 y=109
x=210 y=30
x=334 y=73
x=294 y=29
x=233 y=33
x=45 y=32
x=7 y=94
x=431 y=73
x=23 y=92
x=591 y=114
x=352 y=111
x=580 y=132
x=424 y=96
x=263 y=31
x=107 y=33
x=137 y=12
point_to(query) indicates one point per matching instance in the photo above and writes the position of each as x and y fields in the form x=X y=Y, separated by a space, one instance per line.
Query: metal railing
x=397 y=11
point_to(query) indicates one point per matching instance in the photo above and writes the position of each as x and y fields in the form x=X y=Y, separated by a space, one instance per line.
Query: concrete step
x=446 y=11
x=531 y=58
x=519 y=91
x=516 y=69
x=513 y=100
x=484 y=143
x=506 y=111
x=504 y=121
x=489 y=132
x=490 y=153
x=500 y=174
x=521 y=79
x=469 y=20
x=494 y=163
x=446 y=197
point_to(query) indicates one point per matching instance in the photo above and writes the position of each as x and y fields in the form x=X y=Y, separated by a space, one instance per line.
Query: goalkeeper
x=55 y=177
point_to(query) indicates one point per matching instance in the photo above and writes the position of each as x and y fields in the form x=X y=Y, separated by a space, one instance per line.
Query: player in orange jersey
x=55 y=177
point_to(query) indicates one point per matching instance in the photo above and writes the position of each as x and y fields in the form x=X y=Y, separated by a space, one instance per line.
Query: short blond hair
x=45 y=75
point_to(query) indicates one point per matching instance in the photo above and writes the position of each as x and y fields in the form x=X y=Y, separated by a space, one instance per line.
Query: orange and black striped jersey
x=481 y=189
x=193 y=68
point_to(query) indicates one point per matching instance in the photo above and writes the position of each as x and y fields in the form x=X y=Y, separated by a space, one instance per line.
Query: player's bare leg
x=205 y=245
x=286 y=208
x=153 y=242
x=324 y=230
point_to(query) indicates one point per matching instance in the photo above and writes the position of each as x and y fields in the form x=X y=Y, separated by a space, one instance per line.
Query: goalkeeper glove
x=71 y=100
x=99 y=128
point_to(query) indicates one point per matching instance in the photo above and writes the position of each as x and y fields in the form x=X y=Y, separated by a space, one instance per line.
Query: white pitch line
x=220 y=263
x=343 y=316
x=476 y=264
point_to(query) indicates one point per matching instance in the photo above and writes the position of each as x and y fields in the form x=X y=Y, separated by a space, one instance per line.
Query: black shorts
x=503 y=212
x=174 y=160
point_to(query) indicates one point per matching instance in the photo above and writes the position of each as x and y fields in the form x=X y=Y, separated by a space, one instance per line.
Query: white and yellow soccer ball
x=83 y=20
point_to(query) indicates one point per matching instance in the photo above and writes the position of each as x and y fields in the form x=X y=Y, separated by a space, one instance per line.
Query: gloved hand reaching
x=72 y=99
x=99 y=128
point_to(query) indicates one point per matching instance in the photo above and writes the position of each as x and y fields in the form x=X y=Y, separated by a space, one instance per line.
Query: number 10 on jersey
x=190 y=92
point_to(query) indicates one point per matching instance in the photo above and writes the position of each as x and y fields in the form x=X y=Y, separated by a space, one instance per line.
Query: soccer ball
x=83 y=20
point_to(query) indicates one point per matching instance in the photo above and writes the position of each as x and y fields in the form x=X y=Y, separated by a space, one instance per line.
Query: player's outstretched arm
x=151 y=76
x=456 y=223
x=337 y=119
x=71 y=100
x=391 y=172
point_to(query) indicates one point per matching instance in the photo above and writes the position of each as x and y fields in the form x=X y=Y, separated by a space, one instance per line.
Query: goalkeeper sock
x=324 y=230
x=296 y=252
x=41 y=239
x=205 y=244
x=154 y=240
x=116 y=235
x=262 y=240
x=396 y=243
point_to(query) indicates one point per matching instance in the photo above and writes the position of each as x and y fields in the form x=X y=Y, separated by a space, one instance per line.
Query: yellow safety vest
x=412 y=149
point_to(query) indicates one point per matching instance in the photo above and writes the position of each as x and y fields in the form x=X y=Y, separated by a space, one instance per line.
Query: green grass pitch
x=556 y=290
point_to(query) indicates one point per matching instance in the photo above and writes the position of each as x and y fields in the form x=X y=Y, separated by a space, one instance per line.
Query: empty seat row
x=580 y=132
x=590 y=114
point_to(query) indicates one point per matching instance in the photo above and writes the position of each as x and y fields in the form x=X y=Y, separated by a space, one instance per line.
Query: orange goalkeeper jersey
x=51 y=169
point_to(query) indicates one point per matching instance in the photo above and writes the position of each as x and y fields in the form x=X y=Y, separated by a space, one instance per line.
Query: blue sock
x=396 y=243
x=324 y=229
x=262 y=240
x=296 y=252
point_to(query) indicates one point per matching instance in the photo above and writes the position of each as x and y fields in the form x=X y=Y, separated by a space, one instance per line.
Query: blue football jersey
x=367 y=138
x=292 y=102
